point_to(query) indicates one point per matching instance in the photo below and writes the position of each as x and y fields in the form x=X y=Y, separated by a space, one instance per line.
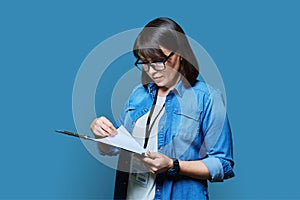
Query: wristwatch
x=173 y=171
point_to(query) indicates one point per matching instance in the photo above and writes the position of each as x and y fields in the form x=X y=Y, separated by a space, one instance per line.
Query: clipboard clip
x=75 y=134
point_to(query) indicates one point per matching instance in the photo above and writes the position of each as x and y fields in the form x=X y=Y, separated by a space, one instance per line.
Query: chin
x=159 y=84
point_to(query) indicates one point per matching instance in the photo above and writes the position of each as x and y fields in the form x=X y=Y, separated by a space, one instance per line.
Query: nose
x=151 y=70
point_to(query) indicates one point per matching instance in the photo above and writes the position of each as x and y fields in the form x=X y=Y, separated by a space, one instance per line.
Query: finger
x=106 y=129
x=100 y=127
x=153 y=170
x=99 y=132
x=148 y=161
x=108 y=124
x=152 y=155
x=149 y=154
x=150 y=168
x=94 y=128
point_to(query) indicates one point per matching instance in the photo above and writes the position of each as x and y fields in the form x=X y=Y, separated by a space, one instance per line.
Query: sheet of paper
x=123 y=140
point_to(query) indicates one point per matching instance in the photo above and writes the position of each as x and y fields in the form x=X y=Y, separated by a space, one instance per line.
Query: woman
x=181 y=122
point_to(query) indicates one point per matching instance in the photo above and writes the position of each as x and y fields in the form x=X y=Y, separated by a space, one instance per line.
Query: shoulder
x=139 y=89
x=204 y=88
x=138 y=93
x=206 y=93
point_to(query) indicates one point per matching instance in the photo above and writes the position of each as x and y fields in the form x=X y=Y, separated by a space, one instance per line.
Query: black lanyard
x=148 y=126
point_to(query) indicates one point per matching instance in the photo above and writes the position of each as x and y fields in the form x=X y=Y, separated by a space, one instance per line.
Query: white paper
x=123 y=140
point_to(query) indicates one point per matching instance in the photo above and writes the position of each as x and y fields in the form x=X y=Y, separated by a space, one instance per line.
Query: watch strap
x=173 y=171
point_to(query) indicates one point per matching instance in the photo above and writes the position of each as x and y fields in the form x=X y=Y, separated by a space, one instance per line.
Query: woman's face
x=168 y=78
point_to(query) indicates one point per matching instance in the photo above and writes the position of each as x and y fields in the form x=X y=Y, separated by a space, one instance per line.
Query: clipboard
x=123 y=140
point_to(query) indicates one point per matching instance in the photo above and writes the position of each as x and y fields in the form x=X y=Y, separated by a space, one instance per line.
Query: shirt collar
x=152 y=87
x=179 y=88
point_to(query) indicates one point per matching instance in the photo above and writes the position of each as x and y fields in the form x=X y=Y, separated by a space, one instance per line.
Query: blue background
x=255 y=45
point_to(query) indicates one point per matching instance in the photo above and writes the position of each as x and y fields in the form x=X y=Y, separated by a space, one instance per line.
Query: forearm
x=195 y=169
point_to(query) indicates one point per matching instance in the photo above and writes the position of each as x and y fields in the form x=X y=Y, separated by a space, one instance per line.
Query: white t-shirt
x=141 y=184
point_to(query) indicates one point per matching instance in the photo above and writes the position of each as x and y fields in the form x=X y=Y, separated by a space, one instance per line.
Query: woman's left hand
x=156 y=162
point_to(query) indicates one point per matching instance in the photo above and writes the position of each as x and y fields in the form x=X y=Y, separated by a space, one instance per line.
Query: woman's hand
x=156 y=162
x=102 y=127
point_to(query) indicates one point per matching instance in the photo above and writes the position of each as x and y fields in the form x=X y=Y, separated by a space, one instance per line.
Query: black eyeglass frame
x=153 y=65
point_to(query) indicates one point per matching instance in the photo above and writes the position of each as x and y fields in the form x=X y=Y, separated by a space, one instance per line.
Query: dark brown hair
x=167 y=33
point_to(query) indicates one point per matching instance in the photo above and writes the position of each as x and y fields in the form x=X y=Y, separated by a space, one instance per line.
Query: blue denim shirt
x=194 y=127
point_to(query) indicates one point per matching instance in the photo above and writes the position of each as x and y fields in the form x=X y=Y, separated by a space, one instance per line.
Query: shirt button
x=161 y=148
x=161 y=127
x=158 y=190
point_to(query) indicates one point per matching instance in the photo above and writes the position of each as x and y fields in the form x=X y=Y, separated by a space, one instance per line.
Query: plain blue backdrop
x=255 y=45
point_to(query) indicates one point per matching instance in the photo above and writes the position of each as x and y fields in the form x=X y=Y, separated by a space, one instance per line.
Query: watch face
x=172 y=172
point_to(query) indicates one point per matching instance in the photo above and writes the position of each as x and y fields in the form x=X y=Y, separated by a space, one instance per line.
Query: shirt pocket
x=188 y=125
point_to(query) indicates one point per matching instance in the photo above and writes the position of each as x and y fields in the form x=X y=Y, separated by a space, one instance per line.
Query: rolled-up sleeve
x=217 y=148
x=215 y=169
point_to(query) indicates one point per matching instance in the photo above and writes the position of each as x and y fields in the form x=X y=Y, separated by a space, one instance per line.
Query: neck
x=164 y=91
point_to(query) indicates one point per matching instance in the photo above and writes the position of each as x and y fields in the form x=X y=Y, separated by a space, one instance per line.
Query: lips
x=156 y=78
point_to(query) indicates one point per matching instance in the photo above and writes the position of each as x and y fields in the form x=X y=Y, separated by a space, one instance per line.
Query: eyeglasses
x=157 y=66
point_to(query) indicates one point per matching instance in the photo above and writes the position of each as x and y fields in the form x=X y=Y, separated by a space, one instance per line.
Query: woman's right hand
x=102 y=127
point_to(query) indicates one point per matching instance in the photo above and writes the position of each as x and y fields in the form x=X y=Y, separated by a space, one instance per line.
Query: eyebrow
x=156 y=59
